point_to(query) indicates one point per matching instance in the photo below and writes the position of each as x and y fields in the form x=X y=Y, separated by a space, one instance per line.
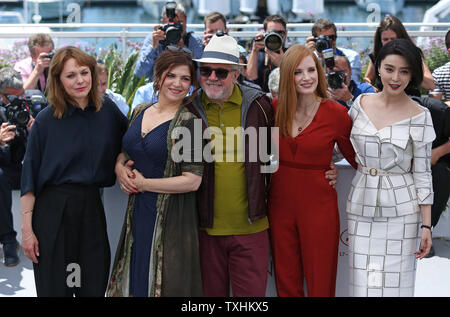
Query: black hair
x=410 y=52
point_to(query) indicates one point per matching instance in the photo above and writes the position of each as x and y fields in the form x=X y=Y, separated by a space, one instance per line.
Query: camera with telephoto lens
x=172 y=30
x=18 y=111
x=272 y=40
x=323 y=42
x=336 y=79
x=324 y=46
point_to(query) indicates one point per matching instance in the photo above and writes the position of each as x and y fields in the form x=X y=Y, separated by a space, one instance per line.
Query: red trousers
x=304 y=233
x=240 y=259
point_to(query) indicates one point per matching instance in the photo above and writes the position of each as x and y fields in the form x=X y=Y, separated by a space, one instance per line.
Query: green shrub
x=435 y=53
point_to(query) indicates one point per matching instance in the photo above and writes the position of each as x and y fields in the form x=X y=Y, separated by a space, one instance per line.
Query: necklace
x=308 y=118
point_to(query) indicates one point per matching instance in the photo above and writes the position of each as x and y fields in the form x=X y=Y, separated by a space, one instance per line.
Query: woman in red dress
x=304 y=217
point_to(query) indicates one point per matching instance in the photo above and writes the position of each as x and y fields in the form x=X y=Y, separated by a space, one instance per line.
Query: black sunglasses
x=221 y=73
x=174 y=48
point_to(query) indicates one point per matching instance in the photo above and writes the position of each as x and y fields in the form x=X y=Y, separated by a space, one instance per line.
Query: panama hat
x=221 y=50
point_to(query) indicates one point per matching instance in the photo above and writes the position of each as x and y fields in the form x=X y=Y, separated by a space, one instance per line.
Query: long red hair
x=287 y=93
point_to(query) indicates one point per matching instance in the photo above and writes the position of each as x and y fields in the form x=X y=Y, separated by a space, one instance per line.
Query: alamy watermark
x=74 y=277
x=73 y=9
x=232 y=145
x=375 y=15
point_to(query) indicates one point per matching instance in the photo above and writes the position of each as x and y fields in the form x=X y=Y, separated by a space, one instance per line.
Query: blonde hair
x=287 y=93
x=57 y=95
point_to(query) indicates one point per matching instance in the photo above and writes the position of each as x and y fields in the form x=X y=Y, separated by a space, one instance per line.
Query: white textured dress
x=392 y=180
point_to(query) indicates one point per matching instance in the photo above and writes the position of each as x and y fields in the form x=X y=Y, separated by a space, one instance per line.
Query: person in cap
x=232 y=200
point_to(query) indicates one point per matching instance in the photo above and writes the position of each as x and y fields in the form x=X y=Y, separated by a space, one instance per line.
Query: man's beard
x=216 y=94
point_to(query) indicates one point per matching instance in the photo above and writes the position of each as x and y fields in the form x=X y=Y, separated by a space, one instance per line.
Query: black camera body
x=272 y=41
x=172 y=30
x=51 y=54
x=335 y=79
x=323 y=42
x=220 y=33
x=324 y=46
x=16 y=113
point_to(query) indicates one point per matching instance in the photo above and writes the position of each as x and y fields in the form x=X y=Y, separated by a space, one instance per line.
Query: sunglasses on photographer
x=221 y=73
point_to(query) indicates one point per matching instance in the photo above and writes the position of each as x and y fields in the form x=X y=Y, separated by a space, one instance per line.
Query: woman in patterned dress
x=392 y=191
x=158 y=252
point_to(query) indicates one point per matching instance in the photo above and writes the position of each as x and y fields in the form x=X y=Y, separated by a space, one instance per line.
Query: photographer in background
x=12 y=150
x=213 y=21
x=34 y=69
x=267 y=51
x=324 y=29
x=172 y=32
x=349 y=88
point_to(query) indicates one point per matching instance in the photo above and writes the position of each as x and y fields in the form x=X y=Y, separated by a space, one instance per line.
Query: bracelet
x=425 y=226
x=29 y=237
x=27 y=212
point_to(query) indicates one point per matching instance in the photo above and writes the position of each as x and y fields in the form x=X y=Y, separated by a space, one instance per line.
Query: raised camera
x=324 y=46
x=51 y=54
x=16 y=113
x=172 y=30
x=220 y=33
x=273 y=41
x=336 y=79
x=323 y=42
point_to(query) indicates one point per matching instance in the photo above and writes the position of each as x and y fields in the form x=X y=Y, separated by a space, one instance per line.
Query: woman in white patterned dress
x=391 y=193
